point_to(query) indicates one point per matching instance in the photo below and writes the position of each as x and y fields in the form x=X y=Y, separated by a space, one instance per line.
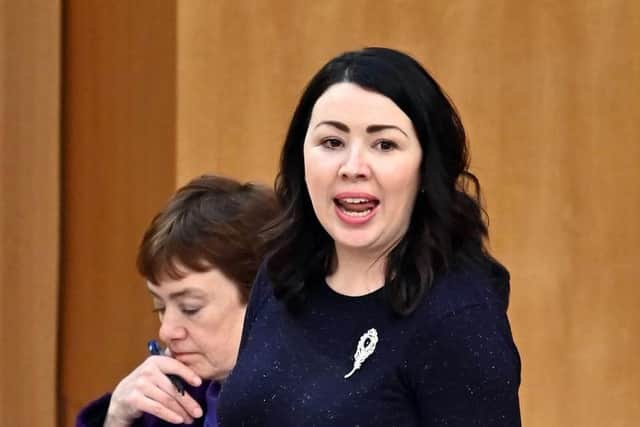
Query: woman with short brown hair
x=199 y=256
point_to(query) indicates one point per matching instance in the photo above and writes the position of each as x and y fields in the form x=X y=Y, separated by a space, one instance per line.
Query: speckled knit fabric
x=452 y=362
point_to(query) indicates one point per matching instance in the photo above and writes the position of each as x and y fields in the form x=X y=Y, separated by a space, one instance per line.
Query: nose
x=355 y=165
x=171 y=328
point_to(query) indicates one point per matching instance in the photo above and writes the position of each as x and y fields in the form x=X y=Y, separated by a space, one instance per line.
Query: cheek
x=413 y=179
x=223 y=322
x=402 y=175
x=212 y=341
x=403 y=186
x=412 y=166
x=309 y=170
x=318 y=176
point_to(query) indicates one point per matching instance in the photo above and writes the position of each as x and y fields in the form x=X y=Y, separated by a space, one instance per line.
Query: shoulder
x=457 y=290
x=461 y=330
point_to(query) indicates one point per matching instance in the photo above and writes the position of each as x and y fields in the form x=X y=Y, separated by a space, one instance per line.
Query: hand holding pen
x=155 y=350
x=149 y=389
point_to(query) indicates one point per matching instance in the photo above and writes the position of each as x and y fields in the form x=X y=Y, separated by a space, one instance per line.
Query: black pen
x=155 y=350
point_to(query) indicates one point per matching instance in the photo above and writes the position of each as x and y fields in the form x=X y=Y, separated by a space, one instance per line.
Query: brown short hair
x=212 y=222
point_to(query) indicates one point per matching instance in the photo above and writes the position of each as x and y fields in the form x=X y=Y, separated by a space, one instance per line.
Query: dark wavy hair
x=211 y=222
x=448 y=226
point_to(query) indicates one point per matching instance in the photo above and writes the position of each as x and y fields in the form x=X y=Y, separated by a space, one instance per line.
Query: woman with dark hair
x=199 y=256
x=379 y=303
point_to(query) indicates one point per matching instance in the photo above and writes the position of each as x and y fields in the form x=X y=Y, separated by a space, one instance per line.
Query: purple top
x=94 y=414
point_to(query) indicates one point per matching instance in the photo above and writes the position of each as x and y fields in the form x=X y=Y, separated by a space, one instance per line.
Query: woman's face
x=201 y=320
x=362 y=167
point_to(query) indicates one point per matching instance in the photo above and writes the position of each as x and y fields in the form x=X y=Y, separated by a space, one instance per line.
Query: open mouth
x=356 y=207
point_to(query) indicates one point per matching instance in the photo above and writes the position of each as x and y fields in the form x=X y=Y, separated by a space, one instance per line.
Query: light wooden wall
x=549 y=93
x=119 y=168
x=29 y=210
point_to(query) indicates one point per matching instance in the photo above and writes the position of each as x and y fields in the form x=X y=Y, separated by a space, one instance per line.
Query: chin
x=204 y=372
x=216 y=375
x=355 y=240
x=209 y=372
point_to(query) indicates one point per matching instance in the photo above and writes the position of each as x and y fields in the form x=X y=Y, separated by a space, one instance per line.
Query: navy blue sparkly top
x=452 y=362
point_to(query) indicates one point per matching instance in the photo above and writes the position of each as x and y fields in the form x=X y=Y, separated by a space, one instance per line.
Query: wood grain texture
x=550 y=95
x=29 y=210
x=157 y=92
x=119 y=169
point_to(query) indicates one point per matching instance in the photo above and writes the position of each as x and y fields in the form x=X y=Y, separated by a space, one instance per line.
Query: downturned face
x=201 y=318
x=362 y=167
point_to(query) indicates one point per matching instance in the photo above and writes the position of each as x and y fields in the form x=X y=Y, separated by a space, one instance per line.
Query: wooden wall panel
x=29 y=210
x=119 y=168
x=156 y=92
x=558 y=178
x=549 y=93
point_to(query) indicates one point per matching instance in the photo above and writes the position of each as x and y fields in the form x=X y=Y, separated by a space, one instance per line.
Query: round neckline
x=343 y=297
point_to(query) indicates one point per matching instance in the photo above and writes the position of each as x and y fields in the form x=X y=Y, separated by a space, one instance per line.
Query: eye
x=188 y=311
x=332 y=143
x=386 y=145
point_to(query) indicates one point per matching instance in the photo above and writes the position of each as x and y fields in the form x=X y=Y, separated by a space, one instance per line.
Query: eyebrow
x=183 y=293
x=370 y=129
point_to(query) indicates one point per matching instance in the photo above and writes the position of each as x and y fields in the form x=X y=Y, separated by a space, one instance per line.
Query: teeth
x=350 y=200
x=356 y=214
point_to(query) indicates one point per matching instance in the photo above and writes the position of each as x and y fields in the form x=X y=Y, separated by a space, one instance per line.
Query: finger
x=155 y=372
x=164 y=394
x=170 y=396
x=190 y=405
x=168 y=365
x=155 y=408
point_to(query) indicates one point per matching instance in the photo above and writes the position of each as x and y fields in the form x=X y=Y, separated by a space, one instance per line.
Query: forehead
x=193 y=284
x=349 y=102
